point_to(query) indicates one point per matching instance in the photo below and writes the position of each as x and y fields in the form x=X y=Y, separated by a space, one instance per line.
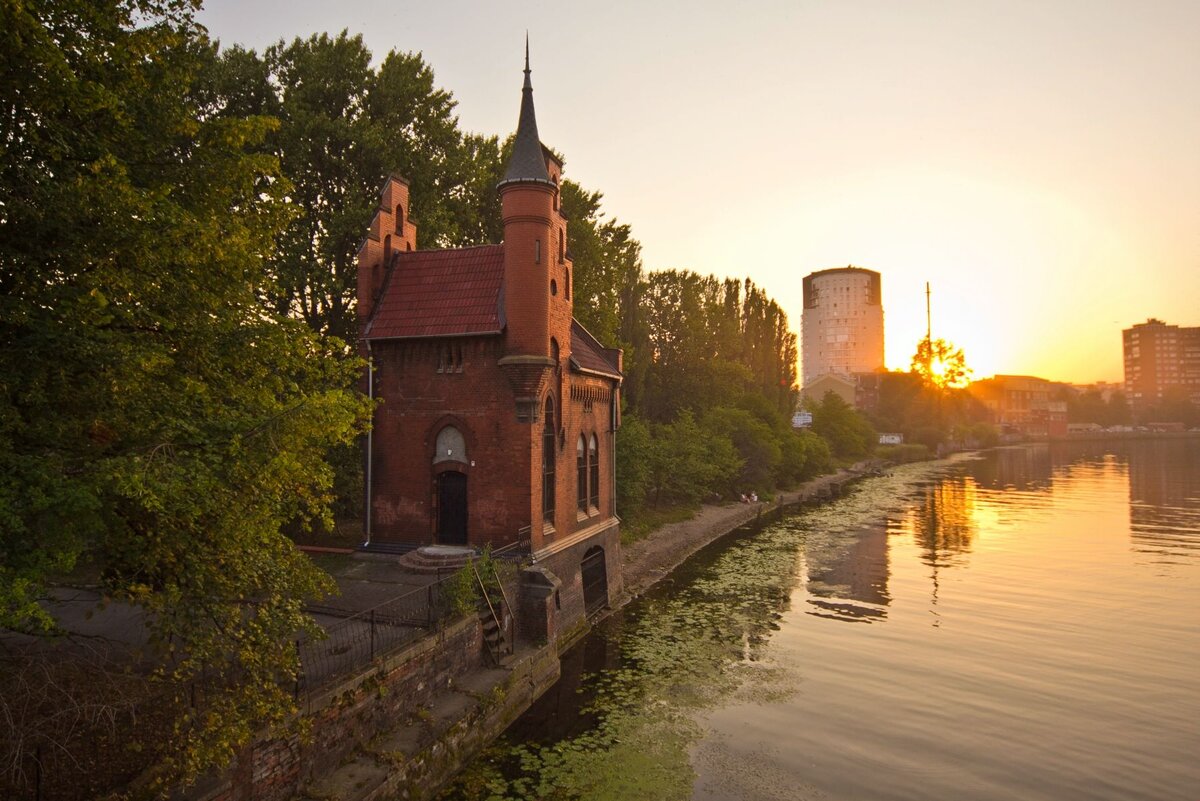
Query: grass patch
x=649 y=519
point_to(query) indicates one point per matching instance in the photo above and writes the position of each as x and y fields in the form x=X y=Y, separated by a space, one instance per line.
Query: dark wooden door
x=595 y=580
x=452 y=508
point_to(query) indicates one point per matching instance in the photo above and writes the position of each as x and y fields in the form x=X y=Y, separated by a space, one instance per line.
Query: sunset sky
x=1037 y=162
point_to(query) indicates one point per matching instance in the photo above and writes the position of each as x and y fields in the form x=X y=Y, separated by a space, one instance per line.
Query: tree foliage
x=848 y=432
x=343 y=127
x=157 y=419
x=940 y=364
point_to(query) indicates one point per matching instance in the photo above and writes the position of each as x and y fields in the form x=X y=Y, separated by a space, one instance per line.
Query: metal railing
x=361 y=637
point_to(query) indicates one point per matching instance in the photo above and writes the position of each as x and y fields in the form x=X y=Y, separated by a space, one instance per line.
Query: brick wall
x=418 y=401
x=349 y=714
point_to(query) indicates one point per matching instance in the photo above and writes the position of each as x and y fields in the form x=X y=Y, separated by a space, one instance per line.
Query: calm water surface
x=1025 y=625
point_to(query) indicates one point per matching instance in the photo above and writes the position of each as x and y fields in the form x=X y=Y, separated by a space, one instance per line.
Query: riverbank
x=650 y=559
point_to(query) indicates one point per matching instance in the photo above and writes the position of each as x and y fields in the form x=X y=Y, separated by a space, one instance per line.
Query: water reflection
x=853 y=585
x=1164 y=498
x=1047 y=631
x=942 y=522
x=1020 y=469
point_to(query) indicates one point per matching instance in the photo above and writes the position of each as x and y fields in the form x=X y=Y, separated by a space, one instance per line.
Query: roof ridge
x=431 y=251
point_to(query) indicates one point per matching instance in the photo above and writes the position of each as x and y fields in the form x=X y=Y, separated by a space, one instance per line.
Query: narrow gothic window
x=567 y=286
x=562 y=245
x=537 y=251
x=400 y=220
x=594 y=464
x=581 y=474
x=548 y=461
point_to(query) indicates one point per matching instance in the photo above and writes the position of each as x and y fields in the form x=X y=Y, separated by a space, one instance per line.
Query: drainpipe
x=370 y=437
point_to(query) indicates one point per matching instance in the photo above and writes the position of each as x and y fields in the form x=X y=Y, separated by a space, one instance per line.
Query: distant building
x=842 y=385
x=1022 y=406
x=888 y=438
x=842 y=323
x=1160 y=360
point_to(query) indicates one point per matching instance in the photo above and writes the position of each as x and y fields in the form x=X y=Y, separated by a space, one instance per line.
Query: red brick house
x=498 y=410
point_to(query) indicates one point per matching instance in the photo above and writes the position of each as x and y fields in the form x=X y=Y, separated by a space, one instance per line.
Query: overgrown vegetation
x=462 y=591
x=160 y=418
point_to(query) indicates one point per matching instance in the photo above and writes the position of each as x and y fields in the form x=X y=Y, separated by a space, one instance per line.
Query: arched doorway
x=452 y=508
x=595 y=580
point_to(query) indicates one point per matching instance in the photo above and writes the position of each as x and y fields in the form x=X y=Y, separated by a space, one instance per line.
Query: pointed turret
x=527 y=196
x=527 y=163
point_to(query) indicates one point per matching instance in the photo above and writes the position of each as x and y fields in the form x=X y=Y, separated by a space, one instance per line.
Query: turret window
x=400 y=220
x=537 y=251
x=562 y=246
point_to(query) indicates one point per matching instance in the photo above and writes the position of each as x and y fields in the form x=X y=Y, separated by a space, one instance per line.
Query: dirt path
x=649 y=559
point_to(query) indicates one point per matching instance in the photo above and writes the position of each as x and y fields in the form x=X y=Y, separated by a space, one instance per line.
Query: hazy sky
x=1038 y=162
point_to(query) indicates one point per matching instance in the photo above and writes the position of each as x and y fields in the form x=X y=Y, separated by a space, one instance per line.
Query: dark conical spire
x=527 y=162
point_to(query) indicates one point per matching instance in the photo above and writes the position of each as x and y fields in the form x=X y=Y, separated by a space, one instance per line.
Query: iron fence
x=361 y=637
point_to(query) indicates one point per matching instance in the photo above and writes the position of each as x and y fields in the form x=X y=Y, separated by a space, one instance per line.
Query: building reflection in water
x=1164 y=497
x=852 y=585
x=1024 y=469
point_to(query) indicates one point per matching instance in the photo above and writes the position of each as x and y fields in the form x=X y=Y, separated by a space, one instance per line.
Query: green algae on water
x=684 y=648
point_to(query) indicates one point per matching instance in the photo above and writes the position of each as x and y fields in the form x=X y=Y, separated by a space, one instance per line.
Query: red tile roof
x=437 y=293
x=589 y=354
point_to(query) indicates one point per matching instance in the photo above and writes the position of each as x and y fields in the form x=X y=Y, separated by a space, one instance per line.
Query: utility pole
x=928 y=319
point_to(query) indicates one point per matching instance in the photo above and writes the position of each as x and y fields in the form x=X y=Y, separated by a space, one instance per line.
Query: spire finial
x=528 y=83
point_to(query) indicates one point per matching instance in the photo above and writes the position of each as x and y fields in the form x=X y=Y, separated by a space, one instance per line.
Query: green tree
x=634 y=449
x=156 y=419
x=343 y=127
x=687 y=462
x=757 y=447
x=847 y=431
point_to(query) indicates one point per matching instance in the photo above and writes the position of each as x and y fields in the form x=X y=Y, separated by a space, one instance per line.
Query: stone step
x=430 y=559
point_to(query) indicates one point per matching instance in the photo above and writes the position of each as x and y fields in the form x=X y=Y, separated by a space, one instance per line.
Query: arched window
x=537 y=251
x=594 y=469
x=400 y=220
x=548 y=429
x=450 y=447
x=562 y=245
x=581 y=488
x=567 y=286
x=387 y=249
x=554 y=352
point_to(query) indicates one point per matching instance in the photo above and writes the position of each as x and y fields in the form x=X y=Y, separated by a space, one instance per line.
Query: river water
x=1021 y=625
